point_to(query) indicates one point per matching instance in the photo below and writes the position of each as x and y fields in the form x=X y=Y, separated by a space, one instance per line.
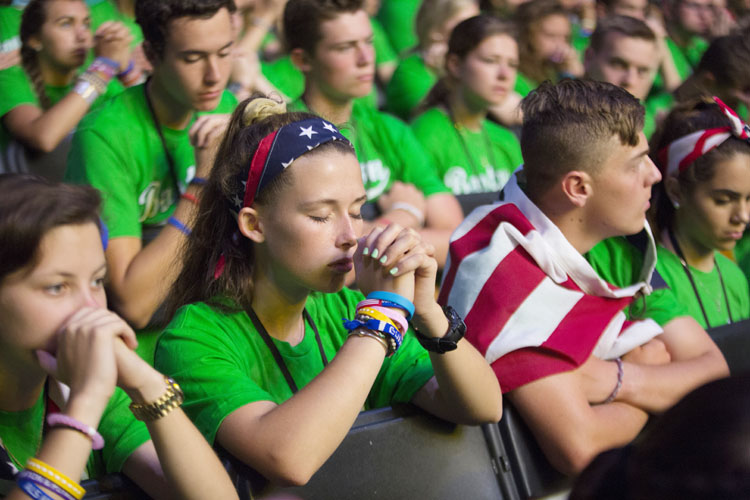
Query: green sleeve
x=110 y=174
x=411 y=82
x=16 y=89
x=284 y=76
x=524 y=85
x=121 y=431
x=619 y=263
x=416 y=167
x=199 y=351
x=384 y=52
x=398 y=18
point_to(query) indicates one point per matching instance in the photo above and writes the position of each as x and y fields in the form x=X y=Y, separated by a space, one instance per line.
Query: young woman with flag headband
x=701 y=209
x=275 y=356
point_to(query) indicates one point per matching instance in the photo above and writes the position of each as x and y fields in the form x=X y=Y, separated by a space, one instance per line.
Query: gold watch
x=171 y=399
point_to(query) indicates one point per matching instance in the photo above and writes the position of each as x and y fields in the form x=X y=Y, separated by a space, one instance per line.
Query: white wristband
x=408 y=207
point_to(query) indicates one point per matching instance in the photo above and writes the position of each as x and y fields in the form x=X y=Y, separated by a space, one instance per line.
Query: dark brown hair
x=466 y=36
x=567 y=125
x=624 y=25
x=302 y=20
x=154 y=17
x=31 y=206
x=215 y=233
x=681 y=121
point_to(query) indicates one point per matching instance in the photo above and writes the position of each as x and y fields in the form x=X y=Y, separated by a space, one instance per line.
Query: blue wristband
x=29 y=475
x=110 y=62
x=31 y=489
x=127 y=70
x=173 y=221
x=389 y=330
x=200 y=181
x=396 y=300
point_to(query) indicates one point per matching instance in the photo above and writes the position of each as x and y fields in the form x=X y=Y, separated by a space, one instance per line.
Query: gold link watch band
x=171 y=399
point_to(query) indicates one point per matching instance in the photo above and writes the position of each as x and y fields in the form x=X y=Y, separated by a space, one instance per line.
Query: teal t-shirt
x=411 y=82
x=21 y=435
x=387 y=151
x=117 y=150
x=619 y=263
x=709 y=287
x=222 y=363
x=17 y=89
x=468 y=161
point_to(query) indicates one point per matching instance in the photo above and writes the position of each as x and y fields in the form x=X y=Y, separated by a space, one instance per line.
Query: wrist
x=431 y=322
x=149 y=390
x=86 y=408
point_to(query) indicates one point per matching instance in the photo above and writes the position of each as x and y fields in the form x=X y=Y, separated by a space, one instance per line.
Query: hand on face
x=205 y=136
x=84 y=358
x=112 y=40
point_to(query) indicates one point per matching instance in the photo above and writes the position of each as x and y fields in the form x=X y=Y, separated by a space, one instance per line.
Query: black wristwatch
x=456 y=331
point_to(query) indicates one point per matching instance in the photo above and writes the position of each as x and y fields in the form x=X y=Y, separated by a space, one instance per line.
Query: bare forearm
x=291 y=442
x=655 y=388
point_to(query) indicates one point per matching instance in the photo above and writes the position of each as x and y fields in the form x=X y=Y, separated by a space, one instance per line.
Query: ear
x=301 y=59
x=577 y=187
x=453 y=66
x=674 y=192
x=248 y=222
x=35 y=43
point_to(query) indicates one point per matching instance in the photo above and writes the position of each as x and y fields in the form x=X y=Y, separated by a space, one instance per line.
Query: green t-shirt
x=742 y=254
x=524 y=84
x=467 y=161
x=106 y=10
x=619 y=263
x=117 y=150
x=709 y=287
x=222 y=363
x=10 y=25
x=685 y=59
x=384 y=52
x=17 y=89
x=654 y=105
x=21 y=435
x=398 y=17
x=387 y=151
x=411 y=82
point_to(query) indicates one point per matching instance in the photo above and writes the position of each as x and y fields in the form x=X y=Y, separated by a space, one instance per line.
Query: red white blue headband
x=278 y=150
x=678 y=156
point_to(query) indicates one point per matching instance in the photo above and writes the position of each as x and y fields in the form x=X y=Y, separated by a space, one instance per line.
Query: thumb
x=47 y=361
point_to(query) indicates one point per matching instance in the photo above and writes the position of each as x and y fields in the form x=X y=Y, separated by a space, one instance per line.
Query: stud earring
x=676 y=205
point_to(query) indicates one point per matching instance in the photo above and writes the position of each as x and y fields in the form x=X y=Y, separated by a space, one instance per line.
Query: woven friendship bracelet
x=620 y=373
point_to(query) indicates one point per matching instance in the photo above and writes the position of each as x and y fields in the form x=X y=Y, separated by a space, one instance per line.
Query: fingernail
x=375 y=253
x=384 y=259
x=365 y=251
x=393 y=271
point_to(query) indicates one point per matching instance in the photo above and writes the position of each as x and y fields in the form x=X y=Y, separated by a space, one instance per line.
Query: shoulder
x=432 y=118
x=121 y=113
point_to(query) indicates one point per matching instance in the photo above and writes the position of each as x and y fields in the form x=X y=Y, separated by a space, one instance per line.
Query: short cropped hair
x=302 y=20
x=728 y=60
x=624 y=25
x=154 y=17
x=567 y=125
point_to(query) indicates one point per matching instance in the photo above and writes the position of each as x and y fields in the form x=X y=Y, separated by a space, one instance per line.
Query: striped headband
x=676 y=157
x=278 y=150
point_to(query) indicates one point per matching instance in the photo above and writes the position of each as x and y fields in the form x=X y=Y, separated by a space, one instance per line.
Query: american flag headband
x=680 y=154
x=278 y=150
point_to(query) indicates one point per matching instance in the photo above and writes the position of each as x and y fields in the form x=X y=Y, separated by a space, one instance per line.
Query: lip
x=366 y=78
x=210 y=95
x=735 y=235
x=342 y=266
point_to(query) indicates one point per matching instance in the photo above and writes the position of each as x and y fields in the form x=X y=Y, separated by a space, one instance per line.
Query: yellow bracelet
x=57 y=477
x=367 y=311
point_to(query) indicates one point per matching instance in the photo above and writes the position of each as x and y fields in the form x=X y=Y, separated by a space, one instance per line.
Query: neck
x=335 y=111
x=278 y=308
x=570 y=221
x=169 y=112
x=127 y=7
x=464 y=115
x=696 y=255
x=55 y=76
x=20 y=384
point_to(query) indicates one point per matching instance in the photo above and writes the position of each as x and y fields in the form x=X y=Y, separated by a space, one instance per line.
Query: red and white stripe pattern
x=532 y=304
x=676 y=157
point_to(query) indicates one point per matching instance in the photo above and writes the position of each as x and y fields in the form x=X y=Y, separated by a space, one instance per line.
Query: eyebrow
x=331 y=201
x=71 y=275
x=727 y=192
x=202 y=52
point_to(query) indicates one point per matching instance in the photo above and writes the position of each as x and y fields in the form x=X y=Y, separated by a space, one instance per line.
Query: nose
x=504 y=71
x=742 y=213
x=89 y=297
x=365 y=54
x=347 y=232
x=82 y=32
x=654 y=175
x=212 y=71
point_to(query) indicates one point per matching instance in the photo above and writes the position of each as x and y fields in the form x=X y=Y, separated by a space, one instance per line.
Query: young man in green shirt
x=624 y=51
x=331 y=43
x=149 y=149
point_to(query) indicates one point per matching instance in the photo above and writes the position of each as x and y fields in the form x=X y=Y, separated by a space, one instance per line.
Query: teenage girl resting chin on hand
x=62 y=355
x=270 y=370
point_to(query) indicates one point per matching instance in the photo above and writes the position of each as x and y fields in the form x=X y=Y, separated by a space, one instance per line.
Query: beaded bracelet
x=395 y=316
x=375 y=314
x=362 y=332
x=57 y=477
x=176 y=223
x=383 y=327
x=32 y=490
x=395 y=300
x=620 y=373
x=29 y=475
x=59 y=419
x=352 y=325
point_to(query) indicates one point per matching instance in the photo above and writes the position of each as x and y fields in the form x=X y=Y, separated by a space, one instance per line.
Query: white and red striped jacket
x=532 y=304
